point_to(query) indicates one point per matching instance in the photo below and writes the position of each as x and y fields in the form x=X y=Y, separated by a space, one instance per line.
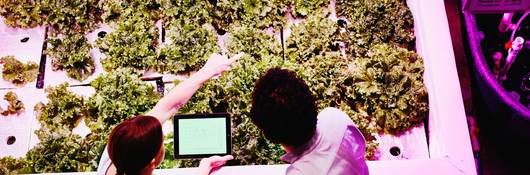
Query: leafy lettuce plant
x=255 y=43
x=375 y=22
x=117 y=10
x=303 y=8
x=23 y=14
x=15 y=105
x=188 y=49
x=132 y=45
x=63 y=17
x=12 y=166
x=119 y=95
x=312 y=37
x=186 y=12
x=68 y=17
x=64 y=109
x=60 y=150
x=389 y=87
x=17 y=72
x=312 y=45
x=263 y=13
x=72 y=54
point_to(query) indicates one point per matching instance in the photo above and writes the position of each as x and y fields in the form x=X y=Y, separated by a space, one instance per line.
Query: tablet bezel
x=201 y=116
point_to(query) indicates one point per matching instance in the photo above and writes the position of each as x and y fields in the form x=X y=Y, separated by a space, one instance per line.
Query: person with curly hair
x=328 y=142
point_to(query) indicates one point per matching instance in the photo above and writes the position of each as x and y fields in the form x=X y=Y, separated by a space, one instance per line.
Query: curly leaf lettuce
x=189 y=48
x=119 y=95
x=389 y=85
x=17 y=72
x=72 y=54
x=131 y=45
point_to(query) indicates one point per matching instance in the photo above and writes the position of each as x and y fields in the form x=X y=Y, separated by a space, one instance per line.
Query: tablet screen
x=202 y=135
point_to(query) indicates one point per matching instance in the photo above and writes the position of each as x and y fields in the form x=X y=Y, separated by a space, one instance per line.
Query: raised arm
x=178 y=96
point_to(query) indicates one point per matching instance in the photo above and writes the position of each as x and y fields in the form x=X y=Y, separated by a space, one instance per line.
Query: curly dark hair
x=284 y=108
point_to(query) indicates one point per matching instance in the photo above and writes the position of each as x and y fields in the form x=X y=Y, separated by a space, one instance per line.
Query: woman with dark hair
x=135 y=146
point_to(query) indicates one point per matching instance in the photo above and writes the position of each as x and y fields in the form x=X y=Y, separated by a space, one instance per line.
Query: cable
x=519 y=23
x=517 y=45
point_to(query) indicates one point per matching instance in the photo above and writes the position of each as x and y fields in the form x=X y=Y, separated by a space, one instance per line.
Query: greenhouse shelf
x=440 y=146
x=449 y=149
x=448 y=137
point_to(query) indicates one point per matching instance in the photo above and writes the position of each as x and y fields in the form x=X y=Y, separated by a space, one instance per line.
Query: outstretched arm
x=178 y=96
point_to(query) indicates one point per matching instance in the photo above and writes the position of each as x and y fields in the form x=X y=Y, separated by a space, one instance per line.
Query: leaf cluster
x=117 y=10
x=169 y=153
x=188 y=49
x=60 y=150
x=12 y=166
x=17 y=72
x=253 y=13
x=64 y=109
x=119 y=95
x=63 y=16
x=262 y=13
x=72 y=54
x=71 y=16
x=303 y=8
x=132 y=45
x=312 y=37
x=389 y=87
x=256 y=44
x=24 y=14
x=374 y=22
x=15 y=105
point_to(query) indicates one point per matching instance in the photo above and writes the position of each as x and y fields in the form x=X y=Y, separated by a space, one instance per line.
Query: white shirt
x=336 y=148
x=104 y=163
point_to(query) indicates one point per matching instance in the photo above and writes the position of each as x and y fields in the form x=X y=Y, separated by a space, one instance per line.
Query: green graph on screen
x=202 y=136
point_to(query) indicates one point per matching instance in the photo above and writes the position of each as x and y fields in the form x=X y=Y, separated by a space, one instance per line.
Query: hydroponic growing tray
x=448 y=137
x=444 y=149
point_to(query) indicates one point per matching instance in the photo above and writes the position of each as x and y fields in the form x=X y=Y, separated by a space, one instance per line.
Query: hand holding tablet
x=210 y=163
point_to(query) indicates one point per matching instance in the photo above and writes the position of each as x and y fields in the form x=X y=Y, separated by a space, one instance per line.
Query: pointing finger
x=235 y=57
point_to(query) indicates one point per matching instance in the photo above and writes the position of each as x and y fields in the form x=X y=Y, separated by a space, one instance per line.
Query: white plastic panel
x=22 y=125
x=10 y=44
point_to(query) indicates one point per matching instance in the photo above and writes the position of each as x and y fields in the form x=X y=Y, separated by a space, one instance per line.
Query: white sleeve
x=332 y=123
x=293 y=171
x=104 y=163
x=358 y=146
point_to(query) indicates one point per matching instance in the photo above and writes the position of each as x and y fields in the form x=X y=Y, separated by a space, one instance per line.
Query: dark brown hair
x=284 y=108
x=134 y=143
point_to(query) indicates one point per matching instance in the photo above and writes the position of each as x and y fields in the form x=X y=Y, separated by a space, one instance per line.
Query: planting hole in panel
x=395 y=151
x=11 y=140
x=102 y=34
x=25 y=39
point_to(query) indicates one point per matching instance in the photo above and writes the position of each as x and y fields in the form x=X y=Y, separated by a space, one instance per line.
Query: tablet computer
x=202 y=135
